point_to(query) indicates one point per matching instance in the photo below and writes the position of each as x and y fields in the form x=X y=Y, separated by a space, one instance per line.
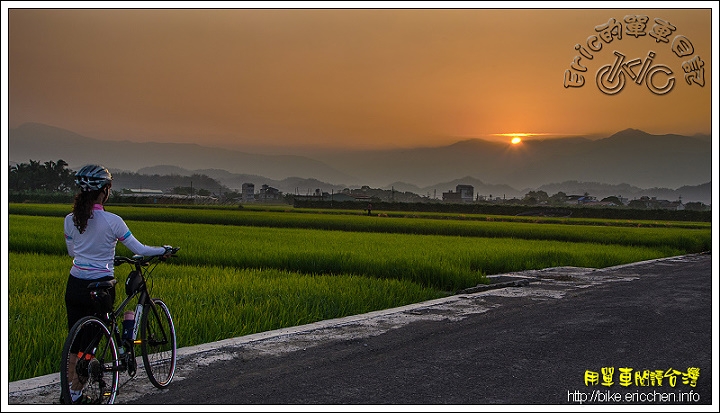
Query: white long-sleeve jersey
x=93 y=251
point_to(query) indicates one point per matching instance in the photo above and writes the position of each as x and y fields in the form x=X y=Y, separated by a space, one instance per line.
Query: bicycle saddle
x=101 y=285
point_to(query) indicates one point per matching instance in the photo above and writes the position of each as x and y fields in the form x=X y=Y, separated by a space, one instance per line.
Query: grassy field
x=243 y=271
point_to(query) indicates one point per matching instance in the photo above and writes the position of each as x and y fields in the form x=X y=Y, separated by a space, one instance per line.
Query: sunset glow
x=285 y=80
x=515 y=140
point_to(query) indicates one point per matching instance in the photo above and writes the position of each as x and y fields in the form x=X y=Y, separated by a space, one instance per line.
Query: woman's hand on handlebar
x=169 y=251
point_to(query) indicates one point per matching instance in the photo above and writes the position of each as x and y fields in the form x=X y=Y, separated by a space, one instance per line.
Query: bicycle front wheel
x=158 y=345
x=89 y=367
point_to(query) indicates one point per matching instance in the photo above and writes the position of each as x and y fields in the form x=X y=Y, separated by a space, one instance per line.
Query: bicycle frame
x=144 y=303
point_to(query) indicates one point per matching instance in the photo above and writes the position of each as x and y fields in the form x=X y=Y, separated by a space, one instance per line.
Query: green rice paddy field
x=244 y=271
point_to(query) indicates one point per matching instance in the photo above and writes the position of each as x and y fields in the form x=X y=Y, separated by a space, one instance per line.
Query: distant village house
x=269 y=194
x=248 y=192
x=463 y=193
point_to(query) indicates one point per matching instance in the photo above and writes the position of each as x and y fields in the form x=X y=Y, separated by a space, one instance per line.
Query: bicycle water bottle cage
x=133 y=282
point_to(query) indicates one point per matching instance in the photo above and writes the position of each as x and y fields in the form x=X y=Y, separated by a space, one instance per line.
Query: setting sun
x=517 y=137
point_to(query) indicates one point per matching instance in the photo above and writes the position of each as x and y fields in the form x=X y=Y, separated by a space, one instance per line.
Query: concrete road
x=638 y=334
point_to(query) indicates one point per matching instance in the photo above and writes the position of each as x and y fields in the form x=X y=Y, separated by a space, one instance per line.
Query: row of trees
x=35 y=176
x=57 y=177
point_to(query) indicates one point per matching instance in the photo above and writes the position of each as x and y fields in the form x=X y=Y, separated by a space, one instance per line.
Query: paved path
x=533 y=343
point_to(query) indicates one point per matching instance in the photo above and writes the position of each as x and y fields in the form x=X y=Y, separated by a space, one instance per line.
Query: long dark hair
x=83 y=207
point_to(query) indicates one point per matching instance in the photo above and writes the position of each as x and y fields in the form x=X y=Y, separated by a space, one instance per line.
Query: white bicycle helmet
x=92 y=177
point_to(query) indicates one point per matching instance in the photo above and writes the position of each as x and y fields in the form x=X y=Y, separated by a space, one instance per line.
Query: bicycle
x=96 y=351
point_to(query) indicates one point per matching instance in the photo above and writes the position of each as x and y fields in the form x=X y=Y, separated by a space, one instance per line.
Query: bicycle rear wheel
x=89 y=357
x=158 y=345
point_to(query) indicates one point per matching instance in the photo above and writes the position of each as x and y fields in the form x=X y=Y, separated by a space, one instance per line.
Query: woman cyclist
x=91 y=234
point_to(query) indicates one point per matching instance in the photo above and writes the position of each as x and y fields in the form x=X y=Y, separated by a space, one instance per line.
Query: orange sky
x=250 y=78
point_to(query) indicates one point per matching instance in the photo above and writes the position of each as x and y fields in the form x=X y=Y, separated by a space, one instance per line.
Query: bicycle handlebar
x=142 y=260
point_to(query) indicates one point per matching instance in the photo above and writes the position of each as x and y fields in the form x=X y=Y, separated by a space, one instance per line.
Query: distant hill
x=620 y=164
x=688 y=193
x=479 y=188
x=42 y=142
x=291 y=185
x=630 y=156
x=698 y=193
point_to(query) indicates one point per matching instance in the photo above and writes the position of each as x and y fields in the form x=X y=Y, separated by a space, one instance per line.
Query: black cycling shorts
x=78 y=301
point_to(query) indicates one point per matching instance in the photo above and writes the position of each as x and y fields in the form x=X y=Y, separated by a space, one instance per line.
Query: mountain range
x=621 y=164
x=304 y=186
